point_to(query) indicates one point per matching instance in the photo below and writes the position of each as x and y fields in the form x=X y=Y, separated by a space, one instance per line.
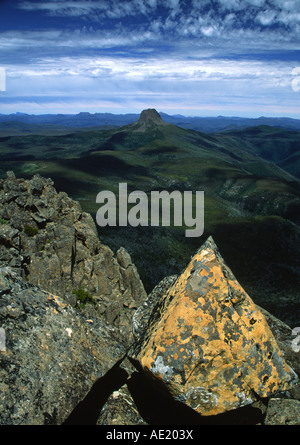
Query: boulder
x=52 y=354
x=283 y=412
x=207 y=342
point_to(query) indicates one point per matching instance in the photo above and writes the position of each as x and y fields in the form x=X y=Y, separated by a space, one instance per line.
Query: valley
x=250 y=177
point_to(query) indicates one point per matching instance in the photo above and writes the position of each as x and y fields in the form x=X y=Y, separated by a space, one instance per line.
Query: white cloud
x=174 y=6
x=266 y=18
x=232 y=5
x=68 y=71
x=180 y=56
x=176 y=19
x=79 y=8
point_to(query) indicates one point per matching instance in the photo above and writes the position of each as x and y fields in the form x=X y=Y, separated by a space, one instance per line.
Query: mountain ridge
x=207 y=124
x=250 y=200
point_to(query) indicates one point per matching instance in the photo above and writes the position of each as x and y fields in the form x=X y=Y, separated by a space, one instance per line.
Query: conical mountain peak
x=148 y=120
x=150 y=116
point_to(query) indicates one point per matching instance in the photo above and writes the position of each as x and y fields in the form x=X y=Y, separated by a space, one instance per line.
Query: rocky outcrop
x=199 y=343
x=52 y=355
x=209 y=344
x=47 y=239
x=150 y=116
x=148 y=119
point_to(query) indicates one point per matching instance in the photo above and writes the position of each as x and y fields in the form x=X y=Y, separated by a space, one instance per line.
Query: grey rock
x=9 y=236
x=143 y=314
x=65 y=254
x=283 y=412
x=53 y=354
x=284 y=337
x=120 y=409
x=123 y=258
x=54 y=351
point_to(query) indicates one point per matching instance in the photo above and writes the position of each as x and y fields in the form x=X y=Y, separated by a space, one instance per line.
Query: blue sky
x=193 y=57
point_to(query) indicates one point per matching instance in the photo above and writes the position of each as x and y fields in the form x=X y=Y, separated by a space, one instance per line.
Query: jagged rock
x=208 y=343
x=120 y=409
x=285 y=339
x=148 y=119
x=141 y=317
x=55 y=353
x=283 y=412
x=52 y=356
x=48 y=240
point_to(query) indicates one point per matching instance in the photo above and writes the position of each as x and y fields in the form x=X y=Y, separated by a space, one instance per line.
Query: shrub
x=30 y=231
x=3 y=221
x=83 y=296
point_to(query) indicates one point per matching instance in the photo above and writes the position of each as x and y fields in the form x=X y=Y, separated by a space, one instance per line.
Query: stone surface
x=149 y=119
x=150 y=116
x=199 y=333
x=120 y=409
x=283 y=412
x=285 y=338
x=52 y=354
x=142 y=316
x=63 y=252
x=208 y=342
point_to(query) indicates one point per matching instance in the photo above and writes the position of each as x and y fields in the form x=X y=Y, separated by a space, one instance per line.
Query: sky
x=189 y=57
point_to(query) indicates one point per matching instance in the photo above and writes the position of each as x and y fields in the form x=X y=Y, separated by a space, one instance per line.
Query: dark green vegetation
x=252 y=195
x=30 y=231
x=83 y=297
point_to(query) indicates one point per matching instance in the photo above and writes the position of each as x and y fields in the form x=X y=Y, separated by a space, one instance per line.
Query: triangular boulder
x=208 y=342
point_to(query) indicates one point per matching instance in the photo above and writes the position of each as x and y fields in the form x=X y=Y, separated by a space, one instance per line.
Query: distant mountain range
x=205 y=124
x=250 y=177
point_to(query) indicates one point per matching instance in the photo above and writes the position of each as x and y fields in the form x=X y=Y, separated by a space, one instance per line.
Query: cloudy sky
x=193 y=57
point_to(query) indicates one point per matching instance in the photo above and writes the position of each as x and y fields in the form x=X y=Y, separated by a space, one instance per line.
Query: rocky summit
x=72 y=312
x=208 y=342
x=148 y=120
x=47 y=239
x=150 y=116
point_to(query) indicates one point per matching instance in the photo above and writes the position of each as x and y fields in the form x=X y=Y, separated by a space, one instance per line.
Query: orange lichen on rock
x=56 y=299
x=210 y=344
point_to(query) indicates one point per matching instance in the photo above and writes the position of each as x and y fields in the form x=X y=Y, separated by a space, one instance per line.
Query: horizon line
x=138 y=113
